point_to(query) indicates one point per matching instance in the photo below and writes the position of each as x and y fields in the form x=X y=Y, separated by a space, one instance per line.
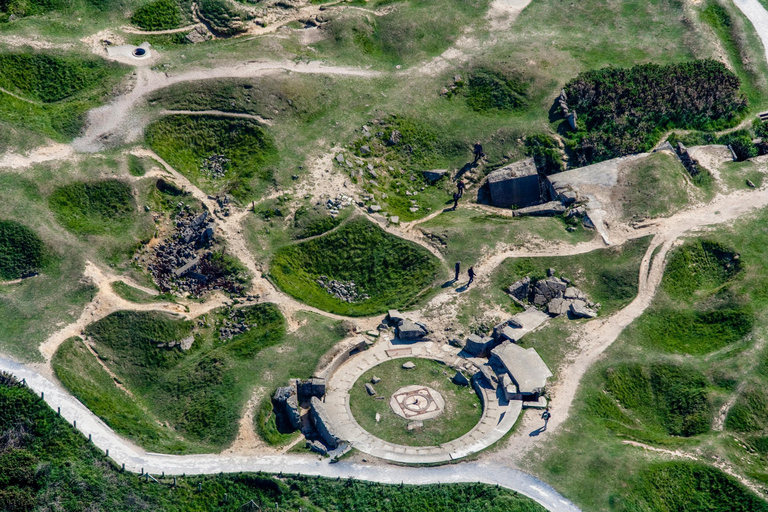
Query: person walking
x=456 y=197
x=545 y=416
x=478 y=152
x=460 y=186
x=471 y=274
x=458 y=269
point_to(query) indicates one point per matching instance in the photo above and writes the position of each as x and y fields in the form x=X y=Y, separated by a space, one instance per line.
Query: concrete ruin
x=526 y=368
x=516 y=184
x=287 y=403
x=323 y=423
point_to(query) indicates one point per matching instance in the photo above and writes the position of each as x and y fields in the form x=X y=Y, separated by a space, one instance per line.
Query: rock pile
x=215 y=166
x=555 y=295
x=184 y=344
x=234 y=325
x=183 y=263
x=343 y=290
x=337 y=203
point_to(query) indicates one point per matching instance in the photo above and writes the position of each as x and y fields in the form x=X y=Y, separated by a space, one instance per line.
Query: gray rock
x=409 y=365
x=415 y=425
x=550 y=272
x=434 y=174
x=340 y=158
x=573 y=293
x=477 y=346
x=370 y=389
x=558 y=306
x=394 y=138
x=520 y=289
x=374 y=208
x=394 y=219
x=375 y=380
x=582 y=311
x=378 y=417
x=365 y=150
x=548 y=289
x=456 y=342
x=317 y=446
x=460 y=379
x=410 y=331
x=395 y=318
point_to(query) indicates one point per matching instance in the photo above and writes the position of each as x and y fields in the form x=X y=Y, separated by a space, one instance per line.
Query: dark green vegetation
x=186 y=141
x=687 y=487
x=699 y=308
x=53 y=92
x=157 y=15
x=657 y=398
x=741 y=141
x=663 y=191
x=271 y=426
x=199 y=392
x=624 y=111
x=132 y=294
x=462 y=405
x=97 y=207
x=20 y=8
x=490 y=90
x=21 y=251
x=79 y=477
x=223 y=17
x=392 y=271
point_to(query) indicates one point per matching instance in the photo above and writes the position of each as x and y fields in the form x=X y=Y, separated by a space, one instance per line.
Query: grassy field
x=21 y=251
x=132 y=294
x=462 y=405
x=94 y=208
x=663 y=190
x=392 y=271
x=179 y=401
x=80 y=476
x=187 y=142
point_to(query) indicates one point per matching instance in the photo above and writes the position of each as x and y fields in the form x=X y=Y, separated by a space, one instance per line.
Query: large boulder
x=394 y=317
x=573 y=293
x=460 y=379
x=520 y=289
x=558 y=306
x=410 y=331
x=580 y=310
x=548 y=289
x=434 y=175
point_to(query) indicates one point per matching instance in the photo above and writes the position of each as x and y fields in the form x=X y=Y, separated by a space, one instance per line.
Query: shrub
x=222 y=17
x=489 y=90
x=157 y=15
x=545 y=152
x=267 y=329
x=21 y=250
x=93 y=208
x=623 y=111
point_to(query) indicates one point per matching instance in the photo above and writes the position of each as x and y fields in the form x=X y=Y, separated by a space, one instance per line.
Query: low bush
x=749 y=413
x=21 y=251
x=271 y=426
x=545 y=152
x=492 y=91
x=623 y=111
x=222 y=17
x=95 y=207
x=21 y=8
x=157 y=15
x=312 y=222
x=390 y=270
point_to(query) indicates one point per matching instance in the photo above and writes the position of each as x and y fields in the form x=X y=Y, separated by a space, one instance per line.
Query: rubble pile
x=183 y=263
x=234 y=325
x=339 y=202
x=215 y=166
x=555 y=295
x=343 y=290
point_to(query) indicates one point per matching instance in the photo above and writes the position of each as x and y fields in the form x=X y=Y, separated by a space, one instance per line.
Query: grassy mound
x=186 y=142
x=223 y=17
x=690 y=487
x=94 y=208
x=462 y=405
x=199 y=391
x=157 y=15
x=750 y=412
x=390 y=270
x=78 y=474
x=493 y=91
x=698 y=310
x=659 y=398
x=21 y=251
x=50 y=78
x=21 y=8
x=624 y=111
x=663 y=189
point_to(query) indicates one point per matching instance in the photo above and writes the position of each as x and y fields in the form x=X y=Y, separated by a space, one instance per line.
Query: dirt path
x=753 y=359
x=133 y=30
x=216 y=113
x=51 y=152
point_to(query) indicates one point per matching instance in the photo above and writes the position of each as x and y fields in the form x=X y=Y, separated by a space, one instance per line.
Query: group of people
x=470 y=273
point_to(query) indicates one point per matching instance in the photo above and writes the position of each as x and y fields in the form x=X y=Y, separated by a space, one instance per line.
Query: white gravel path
x=758 y=16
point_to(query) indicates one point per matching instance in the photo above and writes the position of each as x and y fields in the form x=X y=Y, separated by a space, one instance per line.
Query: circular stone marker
x=417 y=402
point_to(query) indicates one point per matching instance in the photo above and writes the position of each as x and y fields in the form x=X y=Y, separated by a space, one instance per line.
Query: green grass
x=157 y=15
x=268 y=426
x=132 y=294
x=462 y=405
x=392 y=271
x=80 y=476
x=55 y=91
x=199 y=393
x=698 y=309
x=94 y=208
x=137 y=166
x=224 y=18
x=750 y=412
x=654 y=187
x=185 y=141
x=21 y=251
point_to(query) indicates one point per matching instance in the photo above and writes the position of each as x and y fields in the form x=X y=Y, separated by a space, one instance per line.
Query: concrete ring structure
x=417 y=402
x=498 y=418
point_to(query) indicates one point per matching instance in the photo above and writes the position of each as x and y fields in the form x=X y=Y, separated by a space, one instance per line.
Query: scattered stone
x=579 y=310
x=373 y=334
x=365 y=150
x=375 y=380
x=456 y=342
x=378 y=417
x=395 y=318
x=317 y=446
x=409 y=365
x=370 y=389
x=394 y=219
x=374 y=208
x=343 y=290
x=750 y=184
x=478 y=346
x=434 y=175
x=394 y=138
x=550 y=272
x=558 y=307
x=460 y=379
x=215 y=166
x=521 y=289
x=547 y=289
x=187 y=342
x=415 y=425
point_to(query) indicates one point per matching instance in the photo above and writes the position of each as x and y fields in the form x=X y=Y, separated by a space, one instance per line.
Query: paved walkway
x=136 y=459
x=498 y=417
x=758 y=16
